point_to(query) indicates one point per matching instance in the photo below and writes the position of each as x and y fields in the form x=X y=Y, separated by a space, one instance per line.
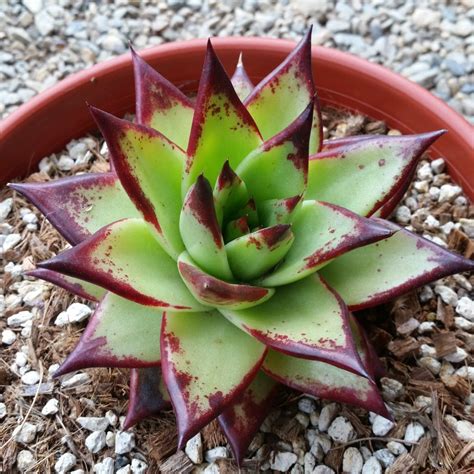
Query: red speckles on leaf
x=274 y=235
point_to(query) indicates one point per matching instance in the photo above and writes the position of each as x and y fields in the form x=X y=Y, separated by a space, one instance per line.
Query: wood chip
x=287 y=429
x=179 y=463
x=457 y=385
x=445 y=314
x=403 y=465
x=333 y=458
x=459 y=241
x=404 y=348
x=213 y=436
x=445 y=343
x=421 y=451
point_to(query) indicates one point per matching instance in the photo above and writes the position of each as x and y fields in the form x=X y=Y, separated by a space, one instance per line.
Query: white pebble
x=93 y=423
x=457 y=356
x=78 y=312
x=326 y=416
x=5 y=208
x=426 y=327
x=282 y=461
x=464 y=430
x=21 y=359
x=341 y=430
x=8 y=337
x=51 y=407
x=372 y=466
x=106 y=466
x=396 y=448
x=427 y=351
x=95 y=441
x=3 y=410
x=10 y=242
x=65 y=463
x=414 y=432
x=438 y=165
x=466 y=373
x=30 y=378
x=352 y=461
x=65 y=163
x=110 y=439
x=216 y=453
x=16 y=320
x=323 y=469
x=25 y=460
x=112 y=417
x=139 y=466
x=306 y=405
x=381 y=426
x=447 y=294
x=403 y=215
x=75 y=380
x=193 y=449
x=431 y=364
x=465 y=308
x=124 y=442
x=385 y=457
x=25 y=434
x=449 y=192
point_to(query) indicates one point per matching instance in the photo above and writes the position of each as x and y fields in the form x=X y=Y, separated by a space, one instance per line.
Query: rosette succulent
x=228 y=245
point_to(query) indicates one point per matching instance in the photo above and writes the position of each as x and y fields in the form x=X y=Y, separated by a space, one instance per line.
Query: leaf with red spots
x=212 y=291
x=243 y=418
x=325 y=381
x=249 y=211
x=120 y=333
x=278 y=169
x=149 y=167
x=201 y=232
x=79 y=206
x=363 y=175
x=230 y=194
x=281 y=96
x=161 y=105
x=127 y=259
x=252 y=255
x=236 y=228
x=200 y=367
x=148 y=395
x=322 y=232
x=305 y=319
x=80 y=288
x=382 y=271
x=222 y=128
x=278 y=211
x=241 y=81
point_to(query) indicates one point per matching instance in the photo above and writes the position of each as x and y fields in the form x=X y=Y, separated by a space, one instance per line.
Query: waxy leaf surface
x=324 y=381
x=127 y=259
x=252 y=255
x=222 y=127
x=149 y=167
x=278 y=169
x=148 y=395
x=201 y=231
x=236 y=228
x=362 y=175
x=211 y=291
x=241 y=421
x=160 y=104
x=79 y=206
x=241 y=81
x=120 y=333
x=305 y=319
x=379 y=272
x=78 y=287
x=322 y=232
x=200 y=367
x=278 y=211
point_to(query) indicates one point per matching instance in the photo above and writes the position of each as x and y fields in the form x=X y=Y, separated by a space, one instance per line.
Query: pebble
x=464 y=430
x=75 y=380
x=65 y=463
x=193 y=449
x=414 y=432
x=51 y=407
x=106 y=466
x=430 y=363
x=391 y=388
x=458 y=356
x=3 y=410
x=30 y=378
x=465 y=307
x=11 y=241
x=8 y=337
x=124 y=442
x=372 y=466
x=326 y=416
x=396 y=448
x=75 y=313
x=139 y=466
x=381 y=426
x=216 y=453
x=282 y=461
x=306 y=405
x=25 y=460
x=5 y=208
x=322 y=469
x=95 y=442
x=93 y=423
x=341 y=430
x=385 y=457
x=447 y=294
x=25 y=434
x=111 y=417
x=352 y=461
x=449 y=192
x=403 y=215
x=20 y=318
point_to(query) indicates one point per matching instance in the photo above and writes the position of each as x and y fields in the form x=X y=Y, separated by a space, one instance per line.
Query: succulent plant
x=228 y=245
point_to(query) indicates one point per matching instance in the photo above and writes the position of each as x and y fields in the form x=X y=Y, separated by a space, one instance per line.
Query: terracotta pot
x=50 y=120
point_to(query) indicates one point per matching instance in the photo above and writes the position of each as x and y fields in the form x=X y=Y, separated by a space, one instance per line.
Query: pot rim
x=342 y=64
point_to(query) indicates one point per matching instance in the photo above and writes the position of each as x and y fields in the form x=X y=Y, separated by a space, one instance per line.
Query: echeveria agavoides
x=228 y=245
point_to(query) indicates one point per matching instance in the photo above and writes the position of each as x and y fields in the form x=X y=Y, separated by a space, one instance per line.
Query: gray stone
x=341 y=430
x=385 y=457
x=93 y=423
x=381 y=426
x=414 y=432
x=282 y=461
x=352 y=461
x=25 y=433
x=25 y=460
x=372 y=466
x=65 y=463
x=95 y=442
x=124 y=442
x=216 y=453
x=465 y=307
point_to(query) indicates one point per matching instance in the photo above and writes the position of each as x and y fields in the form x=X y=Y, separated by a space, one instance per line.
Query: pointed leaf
x=241 y=421
x=120 y=333
x=252 y=255
x=222 y=128
x=249 y=211
x=281 y=96
x=78 y=287
x=325 y=381
x=200 y=367
x=241 y=81
x=161 y=105
x=211 y=291
x=379 y=272
x=305 y=319
x=126 y=258
x=278 y=169
x=236 y=228
x=149 y=167
x=79 y=206
x=278 y=211
x=362 y=175
x=230 y=194
x=344 y=141
x=201 y=231
x=148 y=395
x=322 y=232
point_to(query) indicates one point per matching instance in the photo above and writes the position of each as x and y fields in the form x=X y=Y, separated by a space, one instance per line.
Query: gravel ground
x=429 y=41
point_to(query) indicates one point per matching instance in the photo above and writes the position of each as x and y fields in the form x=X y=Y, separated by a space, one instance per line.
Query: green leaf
x=249 y=211
x=201 y=231
x=161 y=105
x=252 y=255
x=200 y=367
x=305 y=319
x=380 y=272
x=278 y=169
x=120 y=333
x=241 y=81
x=236 y=228
x=324 y=381
x=241 y=421
x=322 y=232
x=127 y=259
x=149 y=167
x=222 y=128
x=281 y=96
x=211 y=291
x=278 y=211
x=79 y=206
x=362 y=175
x=230 y=194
